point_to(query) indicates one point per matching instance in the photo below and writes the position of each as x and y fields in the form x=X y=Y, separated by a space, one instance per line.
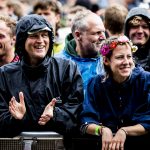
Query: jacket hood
x=30 y=24
x=70 y=45
x=137 y=11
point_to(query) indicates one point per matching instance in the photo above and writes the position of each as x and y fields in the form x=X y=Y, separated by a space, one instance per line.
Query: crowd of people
x=92 y=82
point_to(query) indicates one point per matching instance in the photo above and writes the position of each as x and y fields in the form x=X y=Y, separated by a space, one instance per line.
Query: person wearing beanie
x=137 y=28
x=38 y=93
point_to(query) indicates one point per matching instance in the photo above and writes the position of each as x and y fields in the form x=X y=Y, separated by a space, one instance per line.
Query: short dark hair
x=45 y=4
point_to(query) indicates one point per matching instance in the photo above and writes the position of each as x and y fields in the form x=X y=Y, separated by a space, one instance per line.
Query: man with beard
x=137 y=28
x=83 y=44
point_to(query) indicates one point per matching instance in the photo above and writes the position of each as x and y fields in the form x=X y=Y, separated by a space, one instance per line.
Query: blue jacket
x=88 y=67
x=117 y=105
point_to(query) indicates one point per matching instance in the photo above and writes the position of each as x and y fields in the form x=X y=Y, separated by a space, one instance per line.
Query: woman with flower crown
x=117 y=104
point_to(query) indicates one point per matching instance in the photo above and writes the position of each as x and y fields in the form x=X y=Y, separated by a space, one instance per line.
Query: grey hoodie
x=137 y=11
x=142 y=55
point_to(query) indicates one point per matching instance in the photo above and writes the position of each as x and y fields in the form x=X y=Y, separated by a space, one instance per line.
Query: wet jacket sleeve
x=90 y=113
x=8 y=124
x=66 y=115
x=142 y=115
x=62 y=79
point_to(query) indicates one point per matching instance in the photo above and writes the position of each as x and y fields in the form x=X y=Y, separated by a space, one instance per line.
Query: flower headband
x=112 y=43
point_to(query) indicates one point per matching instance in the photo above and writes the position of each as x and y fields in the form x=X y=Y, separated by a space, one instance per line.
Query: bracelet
x=84 y=128
x=101 y=130
x=124 y=131
x=97 y=130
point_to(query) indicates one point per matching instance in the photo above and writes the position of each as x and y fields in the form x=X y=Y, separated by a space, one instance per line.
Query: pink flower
x=104 y=50
x=123 y=39
x=111 y=44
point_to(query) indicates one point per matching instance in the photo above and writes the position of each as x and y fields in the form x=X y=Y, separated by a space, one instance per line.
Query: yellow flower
x=134 y=48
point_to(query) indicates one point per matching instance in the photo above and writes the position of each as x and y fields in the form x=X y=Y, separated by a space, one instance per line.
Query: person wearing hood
x=38 y=93
x=83 y=44
x=137 y=28
x=117 y=105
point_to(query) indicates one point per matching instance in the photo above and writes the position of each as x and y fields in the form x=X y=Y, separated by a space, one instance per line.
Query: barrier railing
x=33 y=141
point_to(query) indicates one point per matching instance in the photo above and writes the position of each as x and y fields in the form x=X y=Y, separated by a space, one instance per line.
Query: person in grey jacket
x=137 y=28
x=38 y=93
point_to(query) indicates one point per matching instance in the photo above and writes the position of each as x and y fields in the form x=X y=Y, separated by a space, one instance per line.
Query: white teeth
x=39 y=47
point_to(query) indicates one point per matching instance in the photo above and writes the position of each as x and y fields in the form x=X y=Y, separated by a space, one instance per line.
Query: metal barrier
x=33 y=141
x=11 y=144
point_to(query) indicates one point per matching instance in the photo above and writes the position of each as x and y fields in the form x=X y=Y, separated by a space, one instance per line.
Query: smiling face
x=90 y=38
x=121 y=62
x=139 y=33
x=6 y=39
x=37 y=46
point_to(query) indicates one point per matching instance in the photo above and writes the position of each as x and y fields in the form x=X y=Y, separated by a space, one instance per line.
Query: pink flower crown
x=111 y=44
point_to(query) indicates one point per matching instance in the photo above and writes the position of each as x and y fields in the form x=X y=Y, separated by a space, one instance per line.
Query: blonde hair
x=11 y=23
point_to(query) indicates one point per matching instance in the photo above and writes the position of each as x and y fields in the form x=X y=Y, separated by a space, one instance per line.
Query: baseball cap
x=38 y=28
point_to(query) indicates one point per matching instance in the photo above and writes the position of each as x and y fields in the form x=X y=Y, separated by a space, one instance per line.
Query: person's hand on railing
x=117 y=143
x=48 y=112
x=17 y=109
x=107 y=137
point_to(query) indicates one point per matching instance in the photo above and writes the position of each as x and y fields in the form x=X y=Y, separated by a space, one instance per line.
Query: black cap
x=38 y=28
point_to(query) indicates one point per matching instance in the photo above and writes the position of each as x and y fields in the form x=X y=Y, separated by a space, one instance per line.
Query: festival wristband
x=97 y=130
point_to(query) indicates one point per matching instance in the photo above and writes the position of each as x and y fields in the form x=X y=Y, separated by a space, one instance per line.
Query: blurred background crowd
x=18 y=8
x=63 y=10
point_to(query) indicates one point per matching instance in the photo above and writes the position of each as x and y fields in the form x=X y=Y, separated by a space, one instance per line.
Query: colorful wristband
x=97 y=129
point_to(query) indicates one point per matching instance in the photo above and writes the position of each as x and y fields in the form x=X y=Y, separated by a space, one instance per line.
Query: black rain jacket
x=54 y=77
